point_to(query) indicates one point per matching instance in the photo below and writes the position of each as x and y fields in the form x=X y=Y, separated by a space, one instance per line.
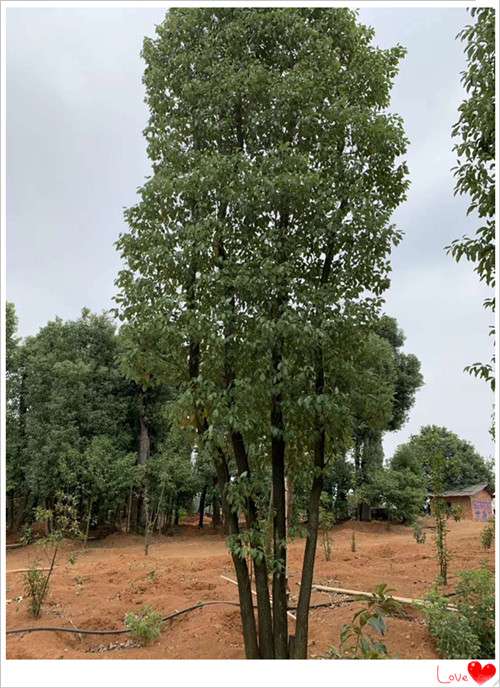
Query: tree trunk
x=266 y=638
x=147 y=521
x=144 y=439
x=87 y=527
x=216 y=516
x=129 y=509
x=302 y=625
x=168 y=516
x=222 y=469
x=10 y=510
x=241 y=569
x=365 y=512
x=289 y=504
x=142 y=459
x=280 y=620
x=201 y=509
x=135 y=510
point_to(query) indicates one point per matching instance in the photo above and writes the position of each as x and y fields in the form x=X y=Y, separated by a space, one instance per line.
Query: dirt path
x=113 y=577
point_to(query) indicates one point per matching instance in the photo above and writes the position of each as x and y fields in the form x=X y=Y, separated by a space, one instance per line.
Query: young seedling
x=488 y=534
x=145 y=627
x=355 y=641
x=442 y=511
x=35 y=588
x=64 y=522
x=418 y=532
x=326 y=523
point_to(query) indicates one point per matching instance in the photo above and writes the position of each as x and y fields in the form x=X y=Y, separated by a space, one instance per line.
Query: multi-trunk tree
x=259 y=252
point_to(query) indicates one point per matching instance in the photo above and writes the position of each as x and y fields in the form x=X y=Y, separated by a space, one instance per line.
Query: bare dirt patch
x=113 y=577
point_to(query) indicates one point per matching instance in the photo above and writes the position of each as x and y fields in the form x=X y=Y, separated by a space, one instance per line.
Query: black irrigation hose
x=120 y=631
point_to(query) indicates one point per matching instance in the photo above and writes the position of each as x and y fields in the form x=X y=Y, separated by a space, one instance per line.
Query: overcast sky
x=75 y=156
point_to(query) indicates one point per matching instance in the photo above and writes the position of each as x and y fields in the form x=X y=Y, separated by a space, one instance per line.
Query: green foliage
x=356 y=638
x=35 y=588
x=237 y=163
x=401 y=492
x=475 y=170
x=73 y=423
x=71 y=394
x=456 y=512
x=451 y=631
x=250 y=544
x=62 y=519
x=170 y=477
x=408 y=377
x=15 y=403
x=475 y=600
x=463 y=466
x=470 y=630
x=488 y=534
x=145 y=627
x=338 y=481
x=383 y=393
x=26 y=535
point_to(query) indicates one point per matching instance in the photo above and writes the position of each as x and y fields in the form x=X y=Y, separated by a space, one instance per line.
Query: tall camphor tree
x=259 y=248
x=475 y=170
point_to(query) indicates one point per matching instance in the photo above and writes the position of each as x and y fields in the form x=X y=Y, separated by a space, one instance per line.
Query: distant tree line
x=77 y=423
x=86 y=417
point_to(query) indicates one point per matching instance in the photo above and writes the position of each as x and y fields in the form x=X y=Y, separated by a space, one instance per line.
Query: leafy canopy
x=475 y=170
x=463 y=466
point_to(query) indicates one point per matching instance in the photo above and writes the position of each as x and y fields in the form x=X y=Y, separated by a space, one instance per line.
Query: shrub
x=470 y=630
x=476 y=602
x=146 y=626
x=26 y=535
x=419 y=532
x=456 y=512
x=451 y=631
x=36 y=586
x=488 y=534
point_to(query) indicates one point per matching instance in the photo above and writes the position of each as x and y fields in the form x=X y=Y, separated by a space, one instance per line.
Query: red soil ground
x=111 y=578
